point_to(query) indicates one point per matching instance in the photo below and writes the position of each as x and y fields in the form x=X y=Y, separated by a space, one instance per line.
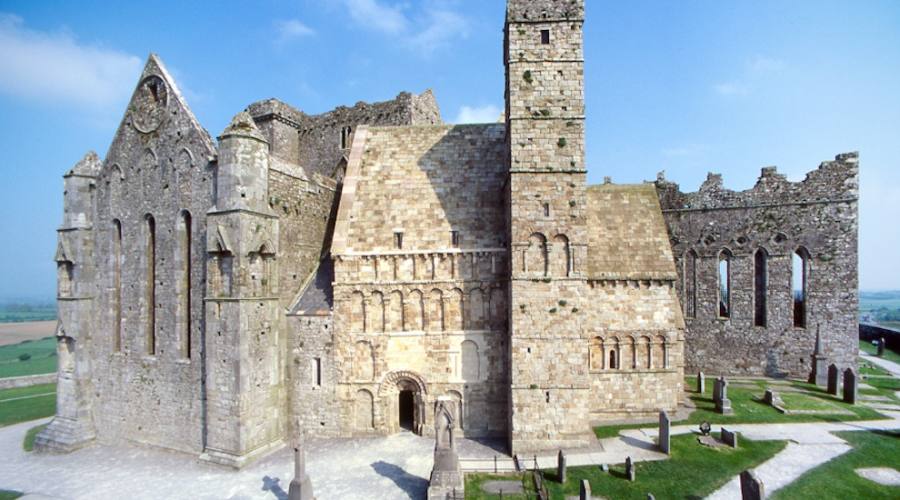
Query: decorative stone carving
x=446 y=476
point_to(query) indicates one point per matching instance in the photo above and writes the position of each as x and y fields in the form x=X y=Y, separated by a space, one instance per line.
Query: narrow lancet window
x=545 y=37
x=690 y=284
x=725 y=284
x=799 y=285
x=185 y=230
x=117 y=284
x=150 y=284
x=760 y=287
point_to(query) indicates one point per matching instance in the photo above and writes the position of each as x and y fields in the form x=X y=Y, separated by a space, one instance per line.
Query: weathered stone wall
x=777 y=217
x=312 y=376
x=425 y=314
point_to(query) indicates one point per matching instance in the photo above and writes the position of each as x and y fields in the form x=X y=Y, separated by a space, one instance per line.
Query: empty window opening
x=546 y=210
x=690 y=285
x=186 y=284
x=799 y=285
x=612 y=360
x=760 y=287
x=547 y=394
x=117 y=285
x=454 y=239
x=725 y=284
x=150 y=284
x=346 y=133
x=317 y=372
x=545 y=37
x=398 y=240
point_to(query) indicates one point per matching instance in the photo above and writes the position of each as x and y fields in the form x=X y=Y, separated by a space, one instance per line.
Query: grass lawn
x=837 y=479
x=41 y=353
x=28 y=443
x=693 y=471
x=871 y=349
x=9 y=495
x=27 y=403
x=474 y=482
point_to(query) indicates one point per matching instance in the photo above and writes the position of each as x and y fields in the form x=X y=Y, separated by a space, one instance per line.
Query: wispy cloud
x=58 y=68
x=482 y=114
x=424 y=30
x=291 y=29
x=755 y=71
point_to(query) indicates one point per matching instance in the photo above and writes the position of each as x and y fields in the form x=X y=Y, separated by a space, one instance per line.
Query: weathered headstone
x=701 y=383
x=650 y=496
x=629 y=469
x=880 y=347
x=772 y=398
x=561 y=467
x=730 y=438
x=834 y=376
x=584 y=492
x=723 y=404
x=665 y=425
x=446 y=475
x=751 y=486
x=717 y=389
x=819 y=373
x=301 y=486
x=850 y=386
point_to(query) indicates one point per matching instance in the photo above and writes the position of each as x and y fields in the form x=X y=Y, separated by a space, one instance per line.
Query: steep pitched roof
x=317 y=297
x=627 y=235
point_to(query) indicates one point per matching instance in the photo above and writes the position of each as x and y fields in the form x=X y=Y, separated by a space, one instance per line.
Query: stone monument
x=729 y=438
x=446 y=477
x=665 y=424
x=629 y=469
x=751 y=486
x=819 y=374
x=561 y=467
x=834 y=376
x=584 y=492
x=850 y=386
x=723 y=404
x=701 y=383
x=301 y=486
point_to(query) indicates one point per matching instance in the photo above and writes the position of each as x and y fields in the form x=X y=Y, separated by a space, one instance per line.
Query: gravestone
x=301 y=486
x=819 y=374
x=446 y=476
x=723 y=404
x=751 y=486
x=880 y=347
x=772 y=398
x=629 y=469
x=561 y=467
x=584 y=492
x=665 y=425
x=730 y=438
x=850 y=386
x=834 y=382
x=701 y=383
x=717 y=389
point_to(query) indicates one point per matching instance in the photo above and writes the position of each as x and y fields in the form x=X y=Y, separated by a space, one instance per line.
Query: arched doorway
x=403 y=396
x=409 y=401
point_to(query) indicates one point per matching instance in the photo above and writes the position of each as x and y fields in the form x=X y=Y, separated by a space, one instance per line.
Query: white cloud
x=55 y=67
x=483 y=114
x=377 y=16
x=731 y=89
x=291 y=29
x=429 y=28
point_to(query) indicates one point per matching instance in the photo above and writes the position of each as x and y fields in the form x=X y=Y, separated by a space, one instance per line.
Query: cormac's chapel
x=335 y=274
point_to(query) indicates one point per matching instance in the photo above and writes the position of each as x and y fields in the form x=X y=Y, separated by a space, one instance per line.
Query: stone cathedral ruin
x=338 y=274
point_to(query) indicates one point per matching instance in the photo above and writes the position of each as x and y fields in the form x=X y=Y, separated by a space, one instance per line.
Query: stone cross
x=664 y=429
x=729 y=438
x=751 y=486
x=561 y=467
x=701 y=383
x=446 y=476
x=301 y=486
x=881 y=347
x=818 y=375
x=834 y=376
x=850 y=386
x=629 y=469
x=584 y=492
x=723 y=404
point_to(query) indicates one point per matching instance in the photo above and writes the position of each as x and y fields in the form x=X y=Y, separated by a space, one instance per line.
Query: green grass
x=837 y=479
x=28 y=443
x=609 y=431
x=43 y=404
x=871 y=349
x=693 y=471
x=9 y=495
x=42 y=360
x=474 y=482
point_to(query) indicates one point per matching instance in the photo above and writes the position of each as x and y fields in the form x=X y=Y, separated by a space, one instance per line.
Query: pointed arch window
x=725 y=258
x=690 y=284
x=800 y=286
x=117 y=284
x=760 y=287
x=185 y=242
x=150 y=283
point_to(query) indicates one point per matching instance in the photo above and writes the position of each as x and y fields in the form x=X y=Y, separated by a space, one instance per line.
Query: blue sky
x=687 y=87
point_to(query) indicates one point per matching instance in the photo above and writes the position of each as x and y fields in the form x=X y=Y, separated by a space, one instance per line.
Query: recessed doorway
x=407 y=410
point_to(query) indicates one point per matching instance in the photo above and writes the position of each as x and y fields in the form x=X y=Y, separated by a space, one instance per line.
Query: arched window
x=760 y=287
x=184 y=306
x=536 y=255
x=395 y=317
x=117 y=284
x=150 y=283
x=561 y=256
x=65 y=270
x=690 y=284
x=414 y=311
x=725 y=284
x=800 y=286
x=471 y=364
x=436 y=311
x=596 y=354
x=376 y=312
x=612 y=360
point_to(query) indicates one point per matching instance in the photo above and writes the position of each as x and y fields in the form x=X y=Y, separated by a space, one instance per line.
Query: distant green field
x=41 y=358
x=27 y=403
x=17 y=313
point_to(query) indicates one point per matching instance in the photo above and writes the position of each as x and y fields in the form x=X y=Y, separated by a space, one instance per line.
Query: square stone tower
x=549 y=383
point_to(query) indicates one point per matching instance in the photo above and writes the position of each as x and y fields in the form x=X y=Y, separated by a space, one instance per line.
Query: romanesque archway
x=403 y=395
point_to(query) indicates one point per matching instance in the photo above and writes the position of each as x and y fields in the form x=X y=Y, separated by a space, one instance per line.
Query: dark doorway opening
x=407 y=405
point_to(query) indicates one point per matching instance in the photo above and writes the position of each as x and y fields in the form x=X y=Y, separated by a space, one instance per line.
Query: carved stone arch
x=536 y=255
x=561 y=258
x=644 y=352
x=221 y=243
x=395 y=312
x=376 y=311
x=63 y=254
x=184 y=159
x=614 y=362
x=470 y=359
x=415 y=311
x=390 y=380
x=660 y=352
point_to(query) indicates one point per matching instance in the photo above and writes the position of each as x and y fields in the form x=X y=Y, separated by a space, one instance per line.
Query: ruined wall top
x=544 y=10
x=836 y=180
